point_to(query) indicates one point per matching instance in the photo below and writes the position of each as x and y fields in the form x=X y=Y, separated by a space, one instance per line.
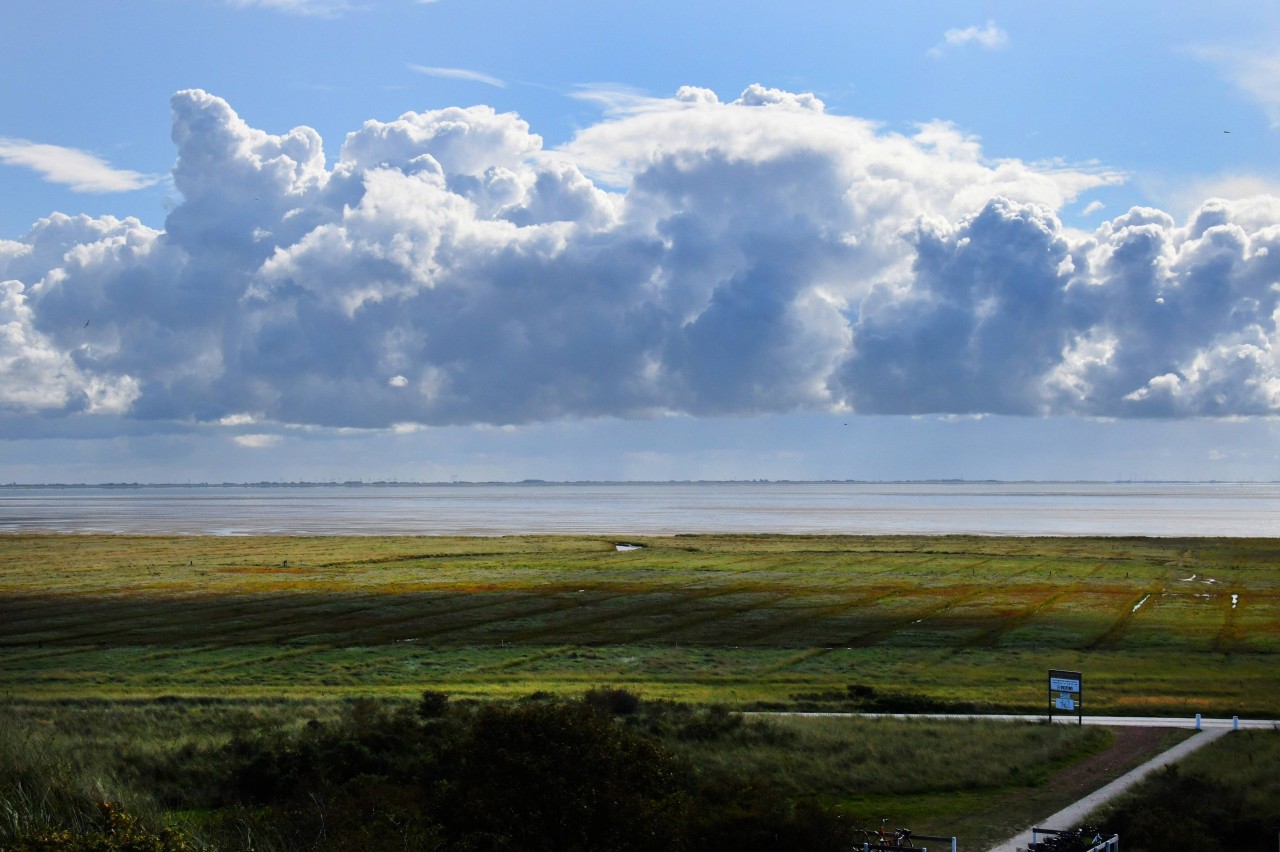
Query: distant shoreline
x=628 y=482
x=629 y=509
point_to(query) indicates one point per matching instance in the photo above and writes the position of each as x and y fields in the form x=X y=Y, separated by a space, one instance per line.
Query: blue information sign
x=1070 y=689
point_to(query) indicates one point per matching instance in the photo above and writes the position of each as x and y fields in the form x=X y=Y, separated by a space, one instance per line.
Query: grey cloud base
x=683 y=255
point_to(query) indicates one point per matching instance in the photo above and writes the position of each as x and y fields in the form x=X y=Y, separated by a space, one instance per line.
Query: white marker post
x=1070 y=689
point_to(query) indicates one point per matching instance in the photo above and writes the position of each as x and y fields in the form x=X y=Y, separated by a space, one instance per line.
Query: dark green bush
x=613 y=701
x=1182 y=811
x=742 y=815
x=560 y=775
x=433 y=705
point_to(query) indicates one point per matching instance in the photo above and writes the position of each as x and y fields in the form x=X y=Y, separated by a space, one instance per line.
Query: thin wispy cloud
x=989 y=37
x=312 y=8
x=458 y=74
x=257 y=442
x=71 y=167
x=1256 y=74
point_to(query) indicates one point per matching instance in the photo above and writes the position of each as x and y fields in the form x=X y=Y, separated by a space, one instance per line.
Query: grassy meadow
x=133 y=668
x=789 y=621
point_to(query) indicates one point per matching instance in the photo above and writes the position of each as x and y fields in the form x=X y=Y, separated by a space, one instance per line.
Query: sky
x=248 y=240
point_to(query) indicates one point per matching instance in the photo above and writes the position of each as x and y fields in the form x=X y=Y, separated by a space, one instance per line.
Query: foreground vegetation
x=1223 y=798
x=1158 y=625
x=605 y=771
x=209 y=684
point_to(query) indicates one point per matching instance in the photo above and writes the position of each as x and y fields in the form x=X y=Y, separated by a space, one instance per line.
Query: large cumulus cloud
x=681 y=255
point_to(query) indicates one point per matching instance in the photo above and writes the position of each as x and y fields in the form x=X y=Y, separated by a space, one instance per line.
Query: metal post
x=1235 y=723
x=1198 y=722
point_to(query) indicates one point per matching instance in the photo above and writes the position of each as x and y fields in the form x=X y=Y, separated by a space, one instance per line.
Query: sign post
x=1066 y=689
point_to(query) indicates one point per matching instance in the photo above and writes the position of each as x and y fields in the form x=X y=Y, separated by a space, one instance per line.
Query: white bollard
x=1235 y=723
x=1198 y=722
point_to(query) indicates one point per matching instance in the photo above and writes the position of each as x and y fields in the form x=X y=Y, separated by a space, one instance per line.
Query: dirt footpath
x=1130 y=747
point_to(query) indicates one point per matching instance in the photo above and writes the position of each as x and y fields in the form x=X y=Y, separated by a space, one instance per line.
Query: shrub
x=562 y=776
x=119 y=832
x=433 y=704
x=613 y=701
x=713 y=723
x=1179 y=811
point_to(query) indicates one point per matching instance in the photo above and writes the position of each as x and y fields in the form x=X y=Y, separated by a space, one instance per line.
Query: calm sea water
x=653 y=509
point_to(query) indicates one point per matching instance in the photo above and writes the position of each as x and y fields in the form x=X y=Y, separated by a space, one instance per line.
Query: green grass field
x=735 y=619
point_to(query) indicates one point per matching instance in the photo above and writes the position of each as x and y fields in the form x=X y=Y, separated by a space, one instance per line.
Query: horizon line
x=334 y=483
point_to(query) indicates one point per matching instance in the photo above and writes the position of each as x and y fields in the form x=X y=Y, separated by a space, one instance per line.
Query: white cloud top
x=682 y=255
x=79 y=170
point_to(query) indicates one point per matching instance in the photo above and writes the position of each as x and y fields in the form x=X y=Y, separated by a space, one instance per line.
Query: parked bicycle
x=884 y=839
x=1075 y=840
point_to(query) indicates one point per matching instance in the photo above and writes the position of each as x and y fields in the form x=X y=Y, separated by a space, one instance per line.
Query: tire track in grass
x=899 y=568
x=390 y=609
x=499 y=598
x=255 y=614
x=184 y=678
x=264 y=612
x=807 y=616
x=666 y=631
x=1111 y=637
x=866 y=599
x=412 y=557
x=532 y=635
x=763 y=601
x=809 y=653
x=295 y=653
x=878 y=634
x=320 y=647
x=296 y=616
x=71 y=611
x=1229 y=639
x=72 y=650
x=208 y=611
x=399 y=623
x=991 y=638
x=128 y=615
x=971 y=567
x=516 y=662
x=426 y=632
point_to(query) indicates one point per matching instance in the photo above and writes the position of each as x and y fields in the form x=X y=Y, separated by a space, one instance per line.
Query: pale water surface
x=625 y=509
